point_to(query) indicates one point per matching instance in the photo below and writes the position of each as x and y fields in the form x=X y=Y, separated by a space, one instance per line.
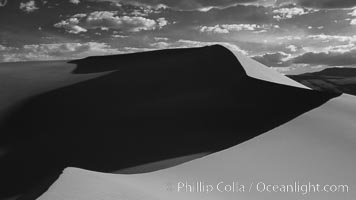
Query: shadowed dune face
x=341 y=80
x=152 y=106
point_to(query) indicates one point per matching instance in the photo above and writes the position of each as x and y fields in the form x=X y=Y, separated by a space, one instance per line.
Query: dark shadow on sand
x=152 y=106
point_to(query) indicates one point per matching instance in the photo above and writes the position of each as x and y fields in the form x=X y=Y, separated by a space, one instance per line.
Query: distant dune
x=115 y=112
x=341 y=80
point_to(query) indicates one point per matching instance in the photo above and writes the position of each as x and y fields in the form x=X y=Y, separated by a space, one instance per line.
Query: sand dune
x=32 y=78
x=259 y=71
x=317 y=147
x=342 y=80
x=121 y=111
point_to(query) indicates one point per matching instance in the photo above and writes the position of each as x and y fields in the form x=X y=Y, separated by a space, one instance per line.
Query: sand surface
x=23 y=80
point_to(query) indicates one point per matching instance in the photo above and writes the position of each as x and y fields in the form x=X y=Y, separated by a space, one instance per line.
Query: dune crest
x=257 y=70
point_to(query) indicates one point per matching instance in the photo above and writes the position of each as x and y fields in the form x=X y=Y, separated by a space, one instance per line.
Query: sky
x=287 y=35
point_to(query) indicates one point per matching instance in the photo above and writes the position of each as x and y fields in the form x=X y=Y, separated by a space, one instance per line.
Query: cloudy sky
x=288 y=35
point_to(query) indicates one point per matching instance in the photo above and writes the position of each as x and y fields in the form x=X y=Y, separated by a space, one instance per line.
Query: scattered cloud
x=5 y=48
x=340 y=38
x=60 y=51
x=331 y=58
x=290 y=12
x=353 y=14
x=199 y=5
x=29 y=6
x=105 y=20
x=278 y=33
x=337 y=48
x=74 y=1
x=71 y=25
x=229 y=28
x=353 y=22
x=144 y=11
x=55 y=51
x=292 y=48
x=137 y=49
x=119 y=36
x=161 y=38
x=131 y=24
x=162 y=22
x=278 y=59
x=327 y=4
x=79 y=15
x=342 y=55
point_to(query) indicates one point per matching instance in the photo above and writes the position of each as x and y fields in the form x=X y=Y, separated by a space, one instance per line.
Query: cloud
x=338 y=48
x=73 y=50
x=162 y=22
x=290 y=12
x=119 y=36
x=161 y=38
x=55 y=51
x=125 y=23
x=5 y=48
x=109 y=20
x=325 y=43
x=74 y=1
x=292 y=48
x=29 y=6
x=317 y=43
x=339 y=38
x=322 y=4
x=281 y=3
x=71 y=25
x=144 y=11
x=328 y=4
x=353 y=13
x=201 y=5
x=64 y=51
x=342 y=55
x=79 y=15
x=278 y=59
x=331 y=58
x=229 y=28
x=131 y=24
x=137 y=49
x=3 y=3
